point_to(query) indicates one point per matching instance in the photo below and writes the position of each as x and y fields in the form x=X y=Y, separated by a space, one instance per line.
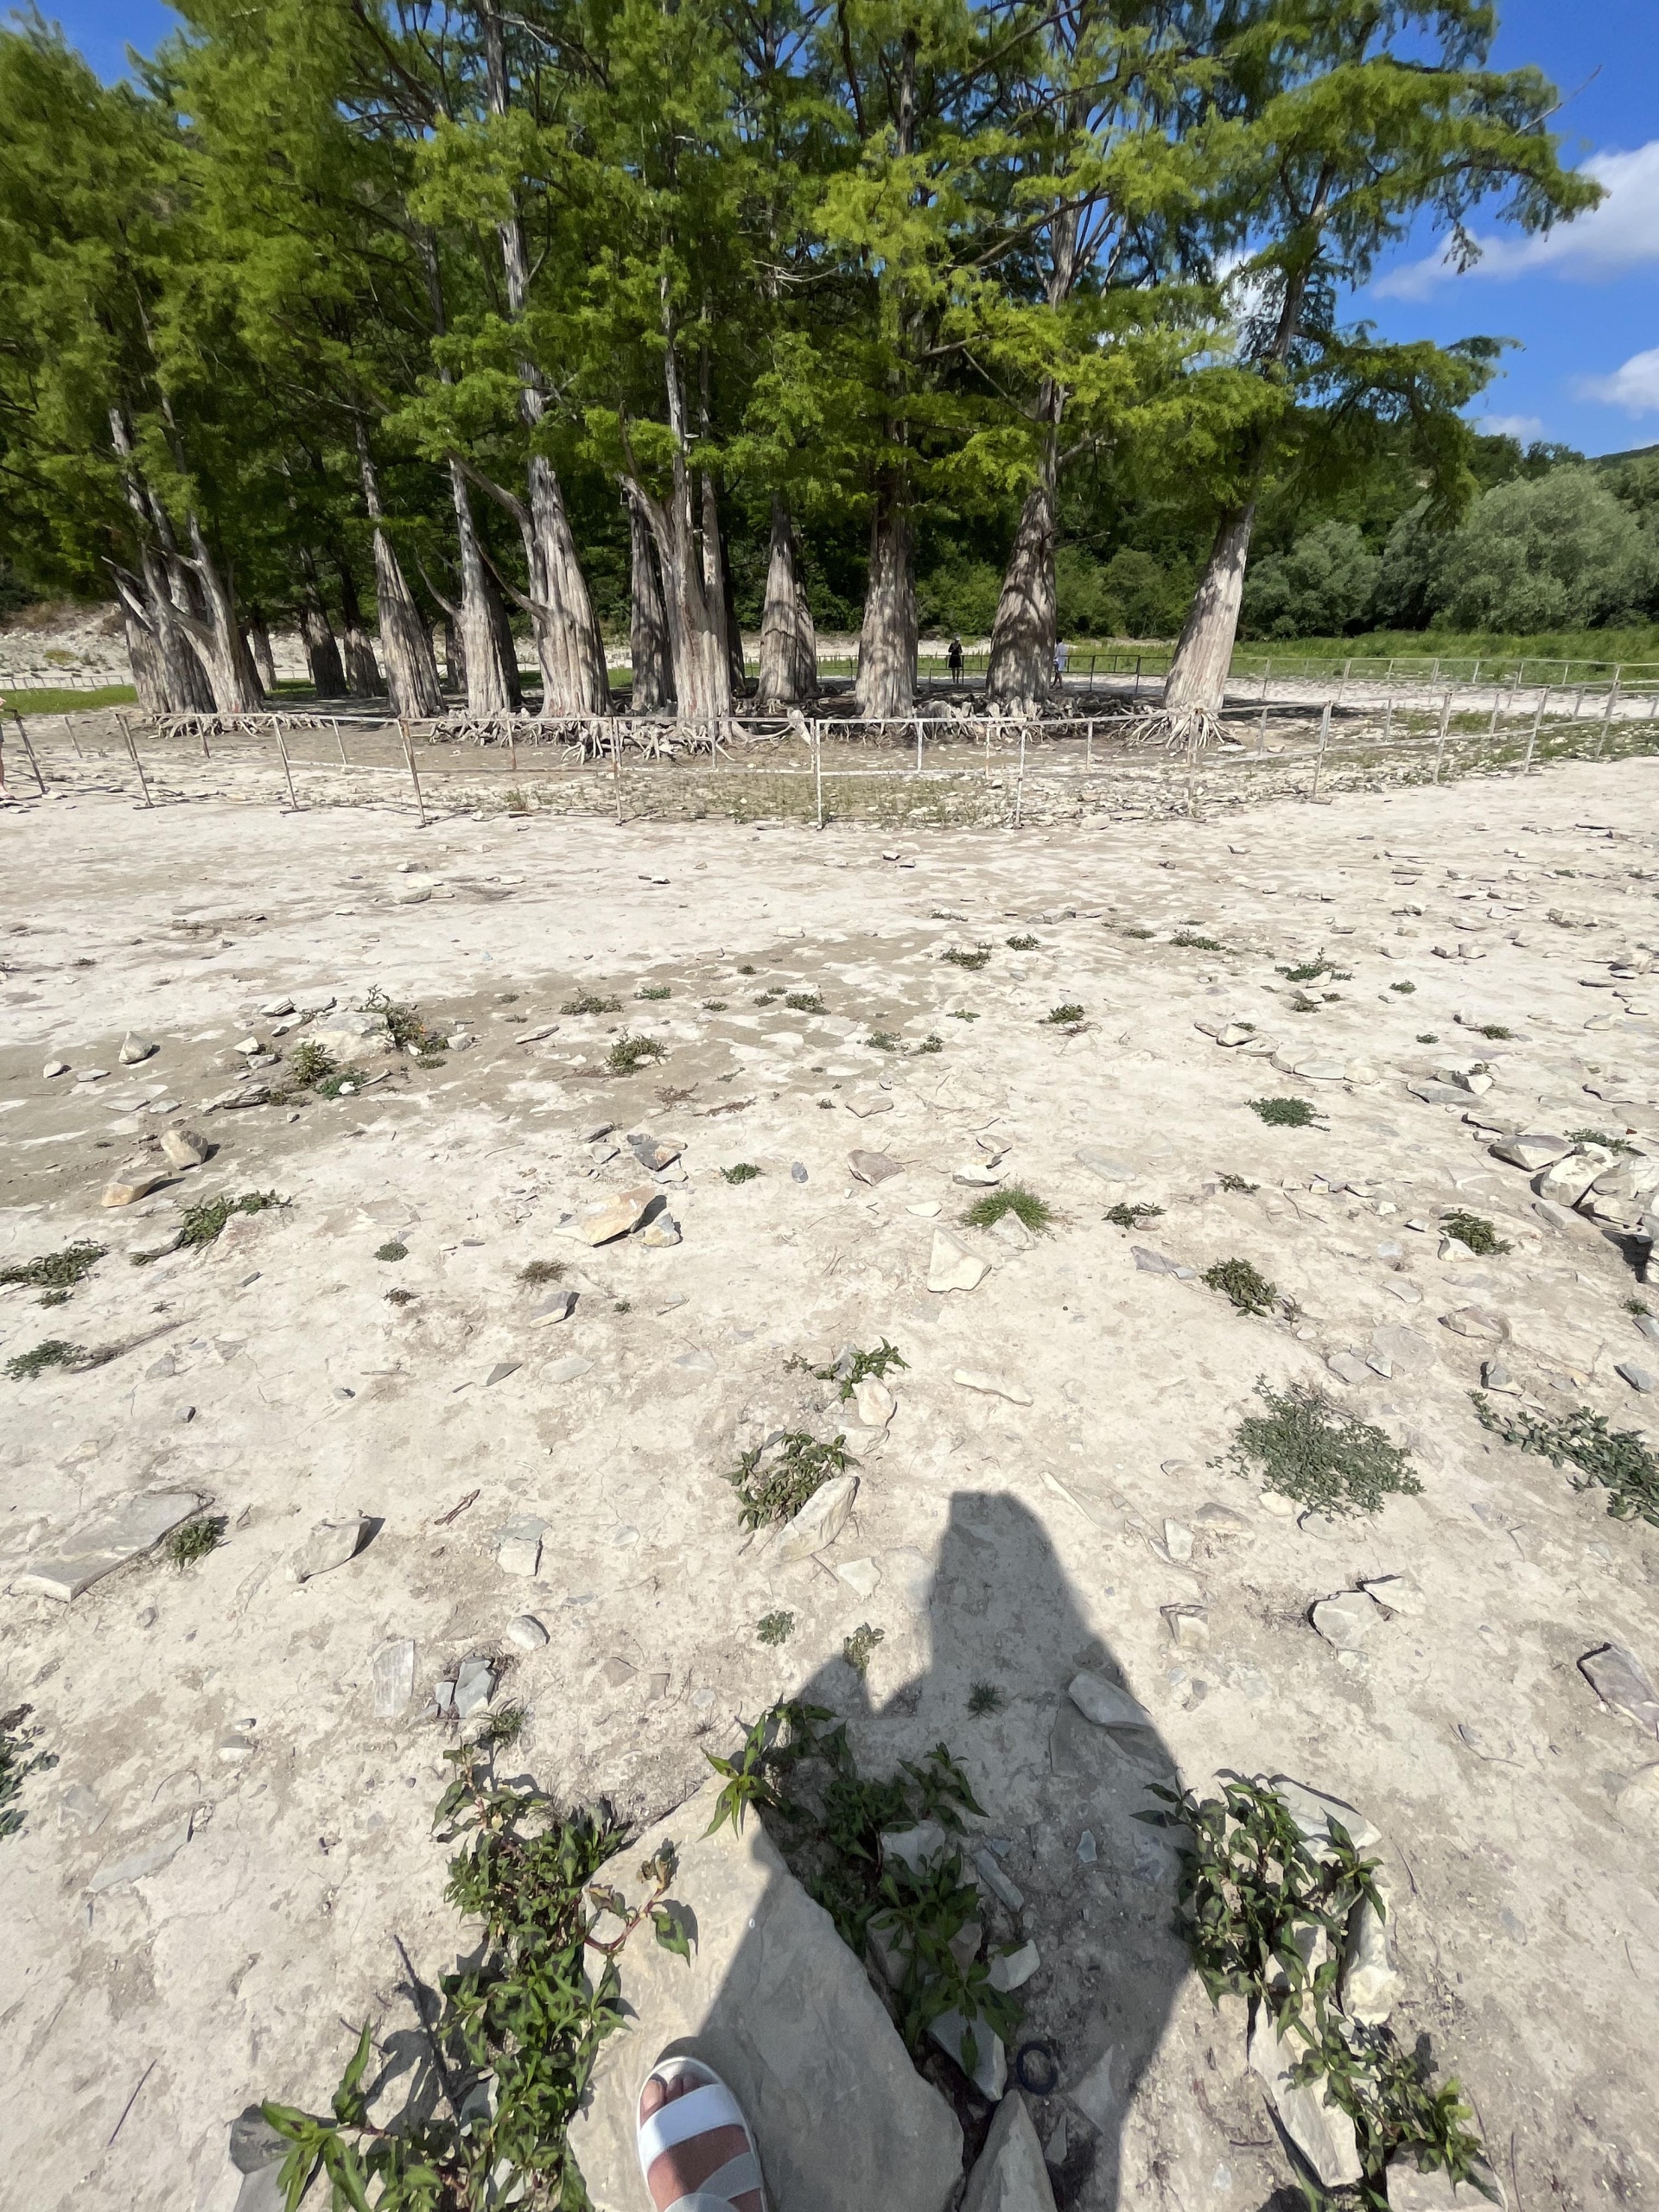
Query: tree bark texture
x=217 y=636
x=363 y=677
x=1021 y=673
x=151 y=600
x=653 y=678
x=259 y=646
x=491 y=675
x=789 y=658
x=321 y=652
x=886 y=644
x=149 y=668
x=412 y=668
x=1197 y=682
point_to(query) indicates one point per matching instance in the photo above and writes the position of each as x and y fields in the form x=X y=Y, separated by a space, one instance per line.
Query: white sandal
x=709 y=2106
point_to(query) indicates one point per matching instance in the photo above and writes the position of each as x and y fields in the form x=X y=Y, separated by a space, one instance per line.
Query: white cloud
x=1526 y=427
x=1635 y=387
x=1621 y=234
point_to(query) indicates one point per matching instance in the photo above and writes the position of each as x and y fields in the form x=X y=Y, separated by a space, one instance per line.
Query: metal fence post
x=276 y=730
x=1607 y=713
x=409 y=756
x=143 y=784
x=29 y=749
x=340 y=743
x=1439 y=748
x=1532 y=737
x=1324 y=739
x=817 y=768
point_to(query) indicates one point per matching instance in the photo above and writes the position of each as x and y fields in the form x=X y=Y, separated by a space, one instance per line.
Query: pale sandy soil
x=1012 y=1540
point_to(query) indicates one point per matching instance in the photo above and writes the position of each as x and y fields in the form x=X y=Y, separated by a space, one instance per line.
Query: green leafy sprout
x=1190 y=941
x=1024 y=943
x=862 y=1365
x=54 y=1273
x=204 y=1225
x=392 y=1250
x=193 y=1539
x=654 y=991
x=405 y=1024
x=773 y=1629
x=804 y=1001
x=795 y=1469
x=1249 y=1291
x=984 y=1698
x=591 y=1002
x=1284 y=1113
x=1237 y=1183
x=1607 y=1142
x=1404 y=988
x=858 y=1649
x=1064 y=1017
x=24 y=1366
x=1304 y=1447
x=1473 y=1229
x=1133 y=1216
x=744 y=1172
x=1614 y=1460
x=18 y=1760
x=629 y=1054
x=962 y=957
x=1034 y=1212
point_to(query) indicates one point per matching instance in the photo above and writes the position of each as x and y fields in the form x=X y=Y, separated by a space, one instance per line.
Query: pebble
x=1220 y=1520
x=876 y=1403
x=526 y=1631
x=1188 y=1626
x=394 y=1678
x=697 y=1361
x=500 y=1371
x=1276 y=1502
x=559 y=1307
x=1178 y=1542
x=1088 y=1852
x=475 y=1686
x=1011 y=1970
x=872 y=1166
x=1106 y=1703
x=1347 y=1367
x=951 y=1266
x=1619 y=1678
x=90 y=1075
x=135 y=1048
x=132 y=1182
x=185 y=1147
x=797 y=1170
x=927 y=1209
x=1108 y=1165
x=975 y=1378
x=1475 y=1321
x=861 y=1576
x=1494 y=1376
x=55 y=1068
x=566 y=1369
x=519 y=1551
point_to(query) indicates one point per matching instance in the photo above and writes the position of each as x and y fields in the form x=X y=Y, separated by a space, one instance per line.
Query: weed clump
x=392 y=1250
x=203 y=1224
x=193 y=1539
x=341 y=1083
x=985 y=1698
x=400 y=1297
x=1190 y=941
x=794 y=1469
x=1249 y=1291
x=861 y=1365
x=1613 y=1460
x=1306 y=1448
x=773 y=1629
x=591 y=1002
x=858 y=1649
x=629 y=1054
x=1494 y=1029
x=308 y=1064
x=55 y=1273
x=542 y=1271
x=1429 y=1037
x=1035 y=1213
x=18 y=1760
x=713 y=1006
x=931 y=1043
x=962 y=957
x=883 y=1040
x=1284 y=1113
x=1136 y=1216
x=1478 y=1234
x=744 y=1172
x=1025 y=943
x=1404 y=988
x=1238 y=1184
x=654 y=991
x=55 y=1352
x=1135 y=931
x=404 y=1024
x=1607 y=1142
x=804 y=1001
x=1064 y=1017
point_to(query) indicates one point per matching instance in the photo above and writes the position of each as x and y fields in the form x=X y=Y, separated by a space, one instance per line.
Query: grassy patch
x=404 y=1024
x=1284 y=1113
x=18 y=1760
x=862 y=1365
x=960 y=956
x=959 y=1014
x=767 y=998
x=1136 y=1216
x=773 y=1629
x=542 y=1271
x=1026 y=944
x=629 y=1054
x=744 y=1172
x=1429 y=1037
x=193 y=1539
x=342 y=1084
x=55 y=1273
x=1307 y=1449
x=654 y=991
x=203 y=1224
x=858 y=1649
x=1190 y=941
x=1494 y=1029
x=883 y=1040
x=1064 y=1017
x=308 y=1064
x=1144 y=936
x=1404 y=989
x=985 y=1699
x=713 y=1006
x=517 y=803
x=1036 y=1214
x=392 y=1250
x=55 y=1352
x=796 y=1470
x=1614 y=1460
x=1237 y=1183
x=50 y=700
x=591 y=1002
x=1249 y=1291
x=1607 y=1142
x=1253 y=1892
x=804 y=1001
x=1477 y=1233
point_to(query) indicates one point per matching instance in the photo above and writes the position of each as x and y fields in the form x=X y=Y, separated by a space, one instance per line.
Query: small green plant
x=392 y=1250
x=55 y=1352
x=1284 y=1113
x=858 y=1649
x=883 y=1040
x=1249 y=1291
x=18 y=1760
x=516 y=801
x=54 y=1298
x=1036 y=1214
x=744 y=1172
x=713 y=1006
x=403 y=1024
x=341 y=1083
x=959 y=1014
x=1404 y=989
x=963 y=956
x=193 y=1539
x=1616 y=1459
x=432 y=1059
x=1267 y=1916
x=621 y=1306
x=931 y=1043
x=308 y=1064
x=1635 y=1306
x=1190 y=941
x=501 y=1728
x=861 y=1365
x=654 y=991
x=1608 y=1142
x=985 y=1699
x=1306 y=1448
x=804 y=1001
x=774 y=1629
x=55 y=1273
x=1305 y=971
x=591 y=1002
x=1429 y=1037
x=1132 y=1216
x=629 y=1054
x=1477 y=1234
x=1064 y=1017
x=537 y=1271
x=1237 y=1183
x=1494 y=1029
x=401 y=1297
x=1135 y=931
x=748 y=969
x=796 y=1469
x=1024 y=943
x=1299 y=1002
x=767 y=998
x=203 y=1224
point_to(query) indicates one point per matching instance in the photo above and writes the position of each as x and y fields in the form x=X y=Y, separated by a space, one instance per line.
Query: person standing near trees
x=954 y=656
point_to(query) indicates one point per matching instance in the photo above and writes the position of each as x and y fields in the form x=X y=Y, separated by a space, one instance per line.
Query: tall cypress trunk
x=886 y=644
x=1021 y=672
x=570 y=644
x=259 y=646
x=1196 y=683
x=172 y=667
x=653 y=680
x=411 y=670
x=321 y=653
x=150 y=674
x=789 y=673
x=217 y=638
x=490 y=676
x=363 y=677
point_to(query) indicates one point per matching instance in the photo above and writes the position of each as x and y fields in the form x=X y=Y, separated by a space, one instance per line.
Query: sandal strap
x=698 y=2112
x=724 y=2189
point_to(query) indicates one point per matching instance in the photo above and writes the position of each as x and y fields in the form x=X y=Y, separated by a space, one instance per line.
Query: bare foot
x=676 y=2172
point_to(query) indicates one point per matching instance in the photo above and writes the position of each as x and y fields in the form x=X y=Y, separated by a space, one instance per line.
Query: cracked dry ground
x=229 y=1704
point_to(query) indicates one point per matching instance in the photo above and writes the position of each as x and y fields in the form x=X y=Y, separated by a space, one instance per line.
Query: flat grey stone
x=1639 y=1377
x=519 y=1554
x=394 y=1678
x=1619 y=1678
x=989 y=2071
x=106 y=1543
x=559 y=1307
x=781 y=2009
x=952 y=1266
x=1410 y=2190
x=1010 y=2174
x=797 y=1170
x=1160 y=1263
x=566 y=1369
x=475 y=1686
x=1108 y=1165
x=330 y=1544
x=527 y=1632
x=997 y=1882
x=1313 y=1810
x=1106 y=1704
x=1401 y=1594
x=149 y=1858
x=1346 y=1622
x=500 y=1371
x=696 y=1361
x=872 y=1166
x=1476 y=1321
x=1348 y=1367
x=1533 y=1151
x=1321 y=2132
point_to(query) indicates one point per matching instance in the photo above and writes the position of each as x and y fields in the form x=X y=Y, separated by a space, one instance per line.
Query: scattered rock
x=1369 y=1983
x=185 y=1147
x=1639 y=1377
x=566 y=1369
x=55 y=1068
x=394 y=1678
x=1619 y=1678
x=656 y=1152
x=1009 y=1229
x=861 y=1576
x=819 y=1522
x=1011 y=1970
x=1410 y=2190
x=661 y=1233
x=1313 y=1810
x=330 y=1544
x=1160 y=1263
x=1217 y=1520
x=875 y=1403
x=1107 y=1165
x=149 y=1858
x=557 y=1307
x=1567 y=1180
x=1534 y=1151
x=475 y=1684
x=616 y=1217
x=1321 y=2132
x=134 y=1527
x=518 y=1546
x=1178 y=1542
x=1106 y=1703
x=870 y=1166
x=866 y=1102
x=1400 y=1593
x=1637 y=1802
x=1348 y=1367
x=133 y=1181
x=952 y=1266
x=1189 y=1626
x=526 y=1631
x=135 y=1048
x=975 y=1378
x=1494 y=1376
x=797 y=1170
x=989 y=2071
x=1346 y=1620
x=1476 y=1321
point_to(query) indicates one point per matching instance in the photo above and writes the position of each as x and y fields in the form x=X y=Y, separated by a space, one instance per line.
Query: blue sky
x=1584 y=304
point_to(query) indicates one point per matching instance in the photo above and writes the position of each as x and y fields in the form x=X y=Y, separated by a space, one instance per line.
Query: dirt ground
x=229 y=1709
